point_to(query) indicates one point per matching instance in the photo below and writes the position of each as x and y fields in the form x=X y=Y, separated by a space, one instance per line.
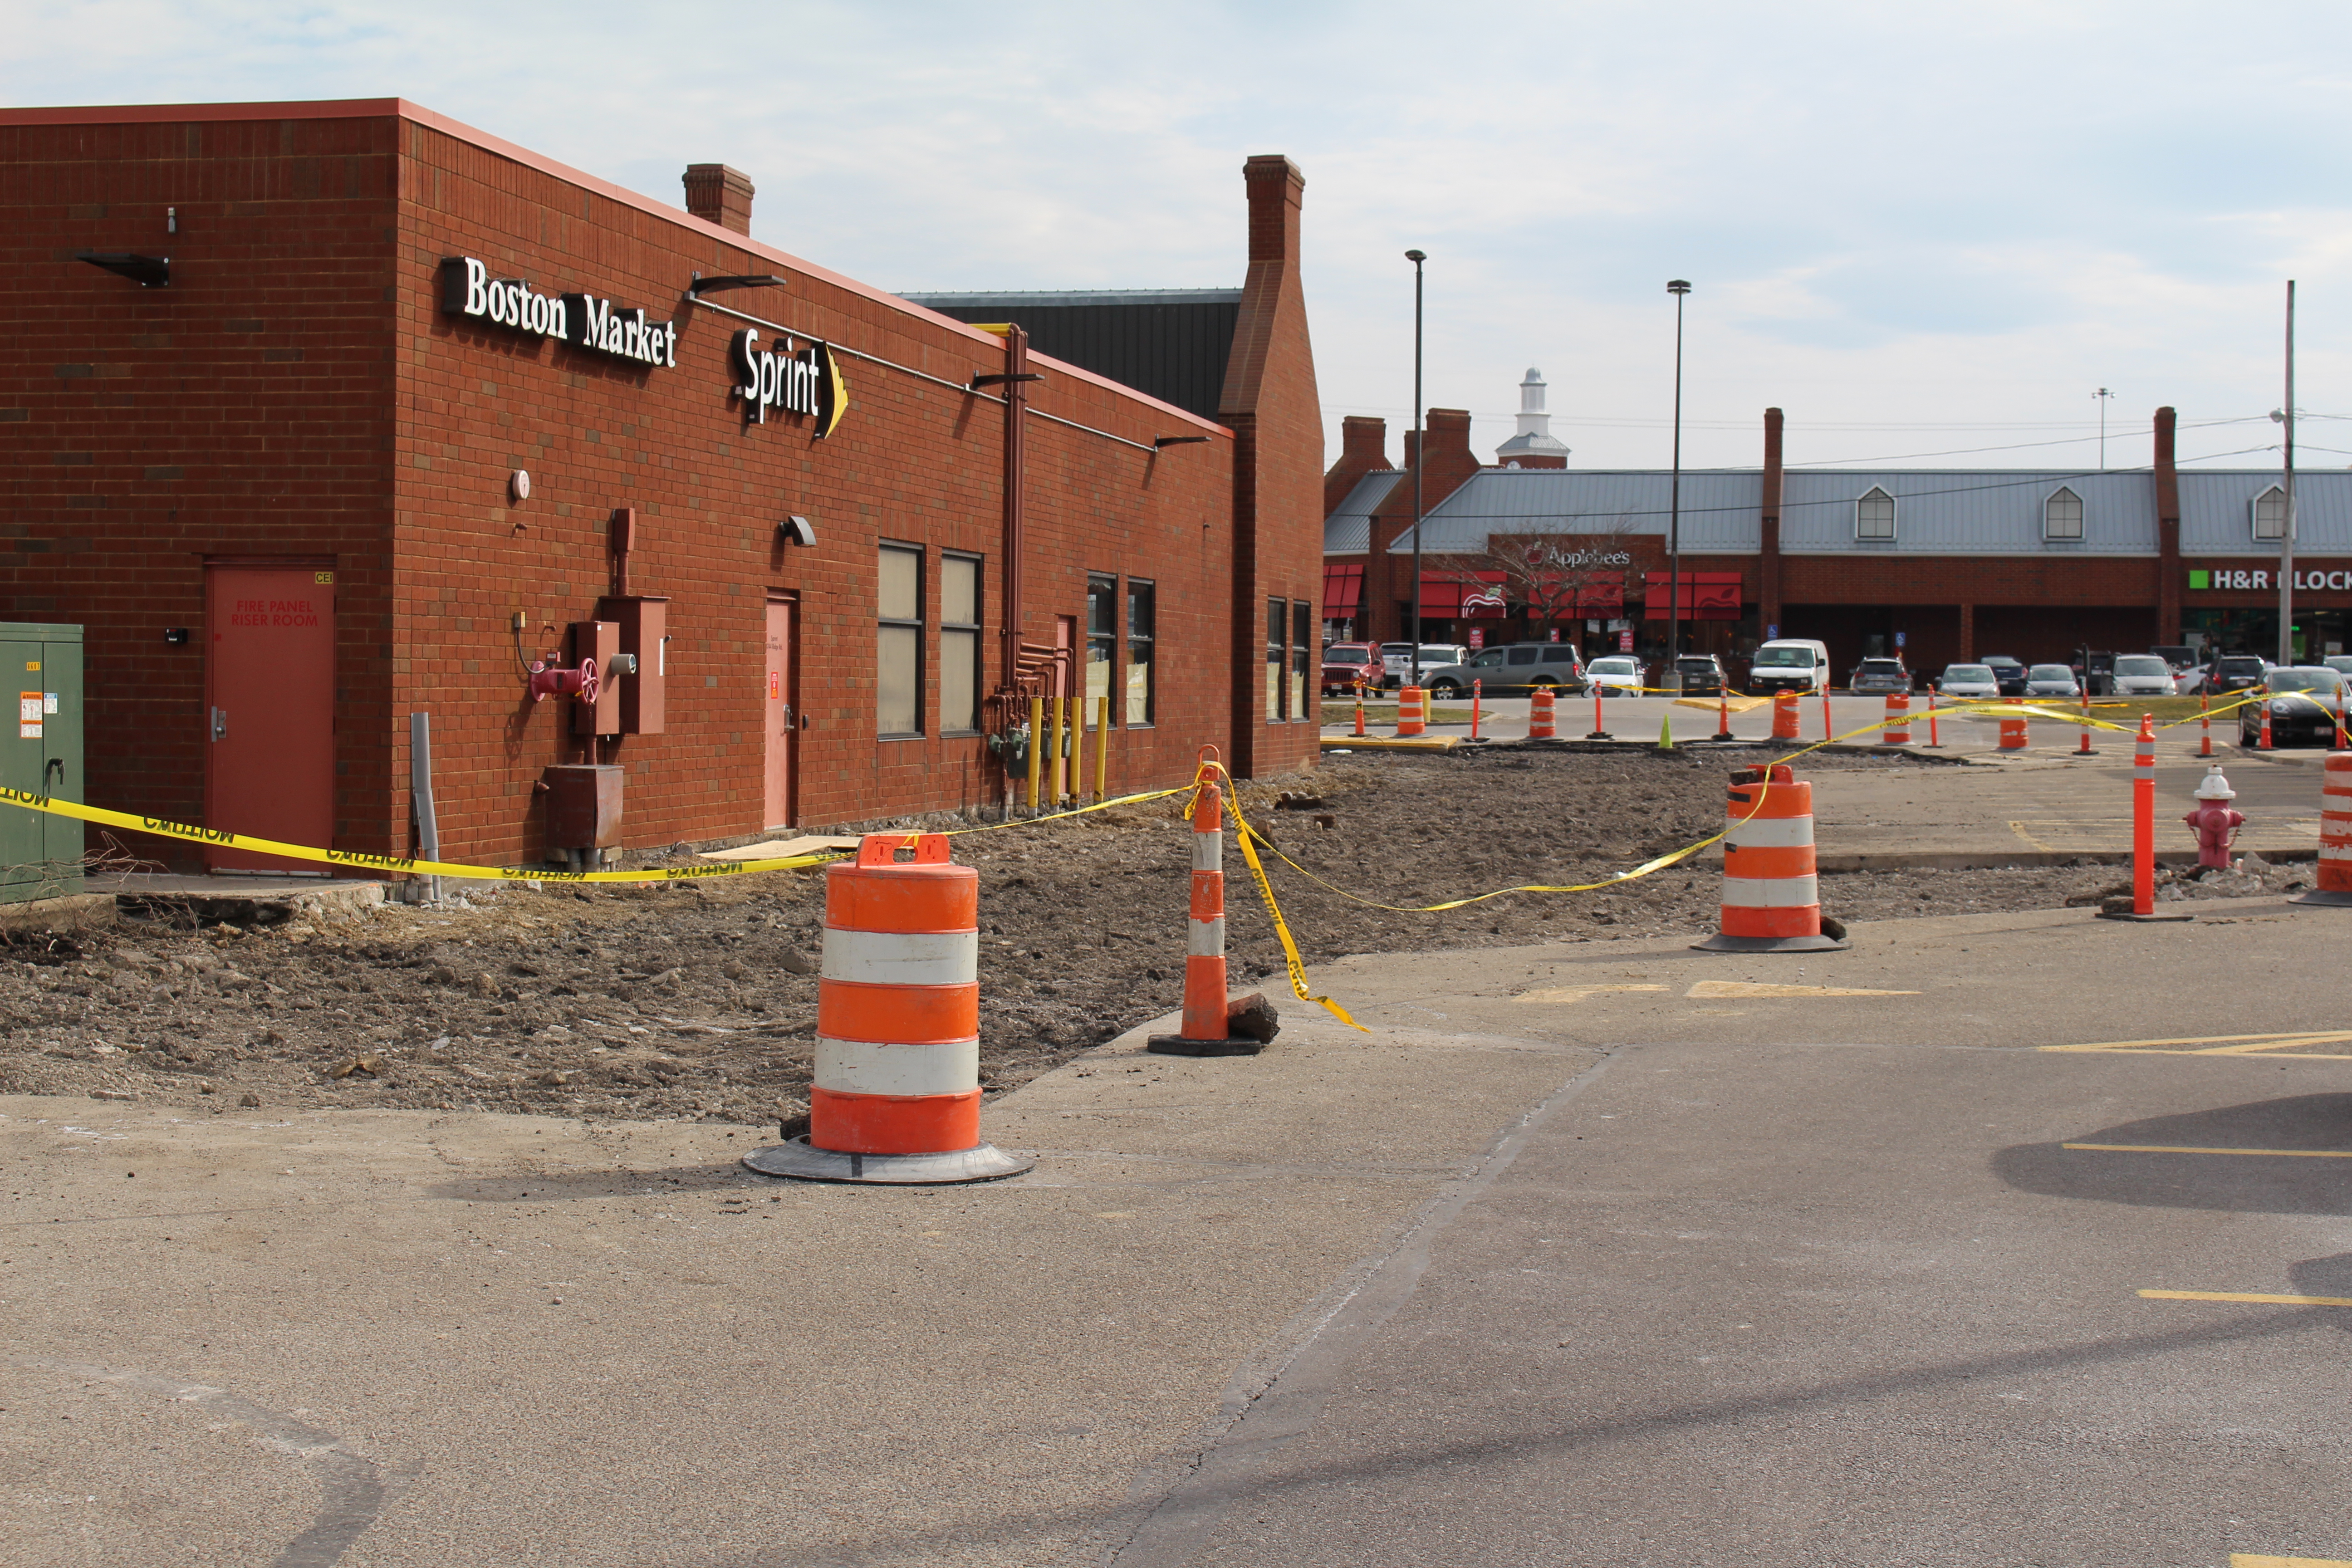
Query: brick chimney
x=716 y=193
x=1451 y=461
x=1364 y=449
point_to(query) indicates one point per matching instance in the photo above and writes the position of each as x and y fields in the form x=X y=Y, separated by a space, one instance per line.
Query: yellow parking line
x=2217 y=1045
x=1713 y=989
x=2185 y=1149
x=2245 y=1296
x=2251 y=1560
x=1560 y=995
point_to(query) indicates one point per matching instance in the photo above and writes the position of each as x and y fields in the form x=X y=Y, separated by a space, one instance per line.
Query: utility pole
x=1420 y=461
x=2287 y=542
x=2102 y=397
x=1672 y=677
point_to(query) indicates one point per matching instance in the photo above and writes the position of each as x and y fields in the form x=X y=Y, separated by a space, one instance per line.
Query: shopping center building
x=1939 y=565
x=320 y=415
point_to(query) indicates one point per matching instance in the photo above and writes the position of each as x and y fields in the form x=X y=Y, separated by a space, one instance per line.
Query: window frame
x=1876 y=492
x=1147 y=642
x=1278 y=643
x=975 y=631
x=1304 y=625
x=883 y=623
x=2050 y=500
x=2254 y=515
x=1108 y=639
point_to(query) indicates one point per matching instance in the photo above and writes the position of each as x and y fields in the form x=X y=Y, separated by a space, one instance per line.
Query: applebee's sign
x=584 y=321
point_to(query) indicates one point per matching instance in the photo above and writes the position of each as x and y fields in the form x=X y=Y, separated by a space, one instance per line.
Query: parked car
x=2098 y=673
x=2051 y=680
x=1512 y=671
x=1347 y=663
x=2007 y=671
x=1789 y=664
x=1879 y=675
x=2187 y=673
x=2341 y=663
x=1969 y=680
x=2305 y=700
x=1701 y=674
x=1396 y=660
x=2234 y=672
x=1619 y=675
x=2145 y=675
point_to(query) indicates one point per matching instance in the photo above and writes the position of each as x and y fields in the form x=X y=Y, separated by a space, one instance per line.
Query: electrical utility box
x=41 y=753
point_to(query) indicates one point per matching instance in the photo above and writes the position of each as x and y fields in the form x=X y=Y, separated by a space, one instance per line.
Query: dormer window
x=2062 y=515
x=1874 y=515
x=2270 y=514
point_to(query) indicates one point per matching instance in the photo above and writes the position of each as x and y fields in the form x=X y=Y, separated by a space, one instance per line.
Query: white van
x=1789 y=664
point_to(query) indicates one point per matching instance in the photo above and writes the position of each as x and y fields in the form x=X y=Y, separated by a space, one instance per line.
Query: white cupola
x=1534 y=447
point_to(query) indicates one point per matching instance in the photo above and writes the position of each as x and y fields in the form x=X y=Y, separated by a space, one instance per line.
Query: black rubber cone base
x=2148 y=919
x=1177 y=1046
x=2324 y=896
x=801 y=1163
x=1600 y=735
x=1719 y=942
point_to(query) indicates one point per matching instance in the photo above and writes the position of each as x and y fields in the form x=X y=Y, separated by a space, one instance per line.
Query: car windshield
x=1612 y=667
x=2051 y=672
x=1704 y=665
x=1967 y=672
x=2001 y=661
x=2303 y=681
x=1782 y=657
x=1882 y=666
x=2239 y=666
x=2142 y=664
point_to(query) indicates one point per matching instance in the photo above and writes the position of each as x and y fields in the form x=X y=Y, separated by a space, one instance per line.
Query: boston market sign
x=584 y=321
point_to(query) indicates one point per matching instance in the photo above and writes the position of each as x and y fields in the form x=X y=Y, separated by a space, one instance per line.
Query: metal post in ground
x=420 y=794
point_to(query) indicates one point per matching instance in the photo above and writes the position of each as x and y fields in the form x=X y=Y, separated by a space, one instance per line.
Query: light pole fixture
x=1420 y=461
x=2103 y=397
x=2286 y=416
x=1678 y=288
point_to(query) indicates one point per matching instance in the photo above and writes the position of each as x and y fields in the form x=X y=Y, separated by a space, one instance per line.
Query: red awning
x=1706 y=595
x=1462 y=596
x=1343 y=590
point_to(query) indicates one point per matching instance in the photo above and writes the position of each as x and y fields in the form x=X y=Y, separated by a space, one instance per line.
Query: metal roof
x=1718 y=508
x=2216 y=512
x=1348 y=530
x=933 y=300
x=1968 y=511
x=1171 y=344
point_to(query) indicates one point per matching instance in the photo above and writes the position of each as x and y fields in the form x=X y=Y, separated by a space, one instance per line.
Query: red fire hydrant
x=2216 y=824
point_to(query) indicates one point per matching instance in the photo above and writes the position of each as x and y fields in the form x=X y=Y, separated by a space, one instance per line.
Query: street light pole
x=2102 y=397
x=1420 y=461
x=2286 y=542
x=1672 y=680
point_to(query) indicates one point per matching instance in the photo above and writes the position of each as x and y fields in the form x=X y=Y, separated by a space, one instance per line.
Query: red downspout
x=2168 y=533
x=1768 y=589
x=1016 y=400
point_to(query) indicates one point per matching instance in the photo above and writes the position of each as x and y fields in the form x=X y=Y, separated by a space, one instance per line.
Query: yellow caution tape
x=1291 y=959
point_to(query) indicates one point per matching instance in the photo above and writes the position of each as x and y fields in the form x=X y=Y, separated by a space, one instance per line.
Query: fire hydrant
x=2216 y=824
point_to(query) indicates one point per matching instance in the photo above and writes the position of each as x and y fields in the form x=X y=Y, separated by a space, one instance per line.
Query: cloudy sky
x=1916 y=232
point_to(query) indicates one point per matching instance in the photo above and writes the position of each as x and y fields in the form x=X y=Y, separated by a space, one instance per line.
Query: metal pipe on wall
x=420 y=795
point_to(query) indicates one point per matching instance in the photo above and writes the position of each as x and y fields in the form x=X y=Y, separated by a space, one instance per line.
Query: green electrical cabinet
x=40 y=855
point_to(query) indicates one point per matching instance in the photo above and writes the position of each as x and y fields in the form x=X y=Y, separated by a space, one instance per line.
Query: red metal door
x=269 y=712
x=780 y=721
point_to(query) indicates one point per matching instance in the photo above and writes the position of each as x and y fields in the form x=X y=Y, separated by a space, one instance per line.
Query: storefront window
x=1275 y=615
x=959 y=643
x=1302 y=653
x=899 y=609
x=1140 y=621
x=1102 y=636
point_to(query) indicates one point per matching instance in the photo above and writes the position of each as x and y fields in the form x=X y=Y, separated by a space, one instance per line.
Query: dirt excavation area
x=699 y=998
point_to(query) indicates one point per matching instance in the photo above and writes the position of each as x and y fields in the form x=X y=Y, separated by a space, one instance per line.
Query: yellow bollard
x=1077 y=750
x=1102 y=747
x=1037 y=749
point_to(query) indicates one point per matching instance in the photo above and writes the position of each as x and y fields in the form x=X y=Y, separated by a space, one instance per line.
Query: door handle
x=58 y=763
x=788 y=715
x=220 y=723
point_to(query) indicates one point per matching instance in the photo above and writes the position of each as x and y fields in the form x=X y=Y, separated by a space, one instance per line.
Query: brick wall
x=299 y=390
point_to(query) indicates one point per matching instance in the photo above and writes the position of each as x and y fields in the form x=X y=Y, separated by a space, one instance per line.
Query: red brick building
x=1940 y=564
x=307 y=407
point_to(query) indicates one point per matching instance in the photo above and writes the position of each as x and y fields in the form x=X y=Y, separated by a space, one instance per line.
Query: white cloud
x=1902 y=222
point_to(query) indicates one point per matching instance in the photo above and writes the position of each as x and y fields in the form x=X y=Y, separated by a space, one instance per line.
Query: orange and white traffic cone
x=2264 y=746
x=2204 y=725
x=1898 y=719
x=1771 y=895
x=1412 y=711
x=1934 y=740
x=2143 y=832
x=2012 y=732
x=2335 y=833
x=1599 y=730
x=1784 y=716
x=896 y=1095
x=2083 y=746
x=1205 y=1031
x=1723 y=715
x=1543 y=722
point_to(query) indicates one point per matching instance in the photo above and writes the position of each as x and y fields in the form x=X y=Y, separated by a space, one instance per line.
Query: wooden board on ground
x=782 y=848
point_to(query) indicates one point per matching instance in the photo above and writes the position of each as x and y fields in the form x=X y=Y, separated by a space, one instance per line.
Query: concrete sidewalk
x=382 y=1338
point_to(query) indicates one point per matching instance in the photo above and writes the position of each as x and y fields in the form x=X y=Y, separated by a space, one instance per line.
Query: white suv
x=2144 y=675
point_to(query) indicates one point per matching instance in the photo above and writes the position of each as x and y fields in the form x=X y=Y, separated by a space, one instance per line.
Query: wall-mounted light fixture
x=797 y=530
x=702 y=285
x=147 y=272
x=519 y=485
